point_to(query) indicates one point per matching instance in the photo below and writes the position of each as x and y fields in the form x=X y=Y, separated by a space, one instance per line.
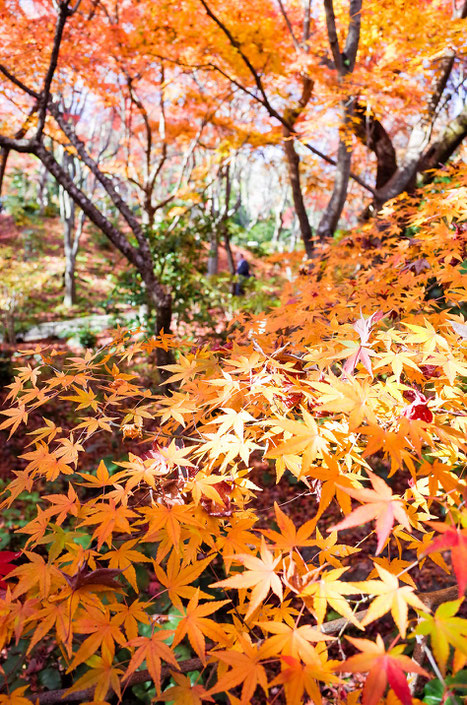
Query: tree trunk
x=42 y=195
x=228 y=249
x=159 y=300
x=158 y=296
x=69 y=299
x=213 y=260
x=371 y=133
x=293 y=164
x=67 y=215
x=331 y=215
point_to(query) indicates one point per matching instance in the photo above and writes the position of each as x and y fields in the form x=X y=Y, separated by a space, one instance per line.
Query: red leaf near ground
x=454 y=540
x=5 y=565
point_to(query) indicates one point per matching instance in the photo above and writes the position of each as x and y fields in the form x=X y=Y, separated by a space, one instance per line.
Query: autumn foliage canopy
x=157 y=566
x=357 y=380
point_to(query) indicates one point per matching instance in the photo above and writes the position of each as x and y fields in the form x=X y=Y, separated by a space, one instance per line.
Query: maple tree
x=157 y=567
x=344 y=387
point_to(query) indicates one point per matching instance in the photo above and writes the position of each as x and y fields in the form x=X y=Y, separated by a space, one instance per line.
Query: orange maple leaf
x=151 y=649
x=245 y=668
x=260 y=575
x=194 y=624
x=379 y=504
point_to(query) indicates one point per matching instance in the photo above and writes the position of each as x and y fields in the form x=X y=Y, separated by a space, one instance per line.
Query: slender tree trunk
x=331 y=215
x=228 y=249
x=42 y=196
x=68 y=217
x=279 y=217
x=158 y=296
x=293 y=165
x=213 y=260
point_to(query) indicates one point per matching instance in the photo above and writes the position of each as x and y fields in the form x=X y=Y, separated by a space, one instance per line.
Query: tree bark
x=293 y=166
x=344 y=63
x=442 y=150
x=333 y=212
x=213 y=259
x=371 y=133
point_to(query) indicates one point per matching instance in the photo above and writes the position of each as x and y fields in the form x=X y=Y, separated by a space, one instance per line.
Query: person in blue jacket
x=243 y=273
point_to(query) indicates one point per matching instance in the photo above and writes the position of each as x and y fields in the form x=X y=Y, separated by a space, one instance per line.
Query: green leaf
x=433 y=693
x=50 y=678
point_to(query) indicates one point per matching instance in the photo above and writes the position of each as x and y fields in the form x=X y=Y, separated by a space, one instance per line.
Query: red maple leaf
x=454 y=540
x=383 y=667
x=5 y=565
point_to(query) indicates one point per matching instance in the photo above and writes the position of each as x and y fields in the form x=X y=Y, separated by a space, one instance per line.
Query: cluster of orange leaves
x=357 y=371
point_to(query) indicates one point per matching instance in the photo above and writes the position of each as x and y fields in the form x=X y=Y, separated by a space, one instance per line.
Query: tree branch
x=18 y=83
x=353 y=34
x=63 y=14
x=430 y=599
x=332 y=35
x=245 y=59
x=289 y=25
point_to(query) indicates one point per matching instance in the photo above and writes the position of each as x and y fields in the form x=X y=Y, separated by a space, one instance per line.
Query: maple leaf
x=390 y=597
x=299 y=677
x=291 y=641
x=5 y=565
x=46 y=463
x=36 y=574
x=455 y=540
x=245 y=668
x=151 y=649
x=84 y=398
x=94 y=579
x=63 y=505
x=17 y=415
x=445 y=630
x=185 y=692
x=131 y=616
x=329 y=549
x=110 y=519
x=49 y=431
x=171 y=519
x=102 y=675
x=288 y=538
x=178 y=580
x=379 y=504
x=306 y=438
x=15 y=697
x=104 y=632
x=54 y=615
x=330 y=590
x=260 y=575
x=383 y=667
x=100 y=479
x=194 y=624
x=122 y=559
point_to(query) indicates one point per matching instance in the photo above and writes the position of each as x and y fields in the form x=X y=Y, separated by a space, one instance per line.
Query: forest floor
x=98 y=268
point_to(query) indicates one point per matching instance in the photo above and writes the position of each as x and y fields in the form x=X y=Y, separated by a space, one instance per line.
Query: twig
x=63 y=696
